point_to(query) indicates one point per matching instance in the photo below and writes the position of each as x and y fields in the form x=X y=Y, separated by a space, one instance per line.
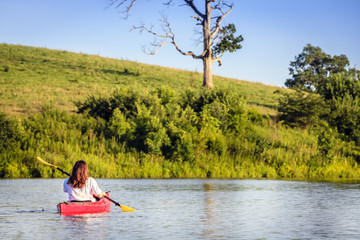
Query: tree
x=216 y=39
x=312 y=66
x=301 y=109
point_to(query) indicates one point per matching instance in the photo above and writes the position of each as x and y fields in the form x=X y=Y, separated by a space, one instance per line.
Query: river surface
x=186 y=209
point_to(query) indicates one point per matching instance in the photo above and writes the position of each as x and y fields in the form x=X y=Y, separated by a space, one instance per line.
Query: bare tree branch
x=219 y=20
x=157 y=47
x=168 y=37
x=119 y=3
x=190 y=3
x=217 y=6
x=142 y=27
x=218 y=59
x=169 y=3
x=156 y=44
x=199 y=19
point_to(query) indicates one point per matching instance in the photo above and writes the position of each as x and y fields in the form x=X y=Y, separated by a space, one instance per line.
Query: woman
x=80 y=186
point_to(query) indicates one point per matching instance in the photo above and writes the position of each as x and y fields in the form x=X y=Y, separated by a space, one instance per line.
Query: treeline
x=327 y=93
x=163 y=133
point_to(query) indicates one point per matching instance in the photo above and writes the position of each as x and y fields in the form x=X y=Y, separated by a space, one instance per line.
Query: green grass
x=32 y=77
x=38 y=88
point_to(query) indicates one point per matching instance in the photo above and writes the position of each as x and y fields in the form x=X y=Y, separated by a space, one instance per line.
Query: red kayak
x=76 y=208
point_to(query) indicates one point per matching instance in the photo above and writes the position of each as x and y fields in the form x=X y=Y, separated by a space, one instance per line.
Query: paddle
x=123 y=207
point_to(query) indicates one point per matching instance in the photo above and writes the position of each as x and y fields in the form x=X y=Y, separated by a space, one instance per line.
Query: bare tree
x=216 y=39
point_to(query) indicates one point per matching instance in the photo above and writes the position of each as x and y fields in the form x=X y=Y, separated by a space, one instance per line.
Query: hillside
x=32 y=77
x=143 y=121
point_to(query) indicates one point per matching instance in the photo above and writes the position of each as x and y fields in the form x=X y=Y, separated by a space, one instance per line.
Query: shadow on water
x=86 y=217
x=88 y=226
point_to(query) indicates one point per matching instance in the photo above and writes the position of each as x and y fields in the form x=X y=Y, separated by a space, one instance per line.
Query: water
x=186 y=209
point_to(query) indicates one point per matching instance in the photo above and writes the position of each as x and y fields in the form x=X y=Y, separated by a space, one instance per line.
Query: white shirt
x=82 y=194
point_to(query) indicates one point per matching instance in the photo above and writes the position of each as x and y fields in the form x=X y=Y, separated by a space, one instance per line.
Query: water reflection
x=209 y=220
x=87 y=226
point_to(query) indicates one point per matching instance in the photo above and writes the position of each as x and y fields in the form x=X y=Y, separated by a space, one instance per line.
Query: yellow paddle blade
x=41 y=160
x=127 y=209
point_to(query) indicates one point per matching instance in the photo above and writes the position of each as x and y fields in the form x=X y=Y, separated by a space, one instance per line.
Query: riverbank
x=151 y=122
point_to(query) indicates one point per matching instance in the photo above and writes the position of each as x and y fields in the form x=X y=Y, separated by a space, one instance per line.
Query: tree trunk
x=207 y=78
x=207 y=58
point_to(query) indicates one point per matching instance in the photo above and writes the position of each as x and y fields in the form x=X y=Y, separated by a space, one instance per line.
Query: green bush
x=9 y=133
x=345 y=116
x=337 y=86
x=301 y=109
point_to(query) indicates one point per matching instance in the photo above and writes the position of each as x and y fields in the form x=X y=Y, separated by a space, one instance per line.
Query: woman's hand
x=101 y=195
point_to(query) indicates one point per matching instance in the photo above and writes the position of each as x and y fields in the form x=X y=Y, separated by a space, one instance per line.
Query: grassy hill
x=139 y=133
x=32 y=77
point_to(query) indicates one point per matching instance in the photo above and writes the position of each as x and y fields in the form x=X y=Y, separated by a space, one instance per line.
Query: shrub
x=118 y=126
x=9 y=134
x=345 y=116
x=337 y=86
x=165 y=94
x=300 y=109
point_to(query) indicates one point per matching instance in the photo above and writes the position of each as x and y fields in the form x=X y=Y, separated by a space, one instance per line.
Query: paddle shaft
x=62 y=171
x=116 y=203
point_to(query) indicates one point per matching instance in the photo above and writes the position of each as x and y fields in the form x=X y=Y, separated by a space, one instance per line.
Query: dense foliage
x=300 y=109
x=159 y=133
x=156 y=125
x=159 y=123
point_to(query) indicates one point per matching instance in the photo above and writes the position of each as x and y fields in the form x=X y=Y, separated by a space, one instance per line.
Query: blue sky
x=274 y=31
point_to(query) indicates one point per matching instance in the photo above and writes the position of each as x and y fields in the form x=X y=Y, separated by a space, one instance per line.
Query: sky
x=274 y=32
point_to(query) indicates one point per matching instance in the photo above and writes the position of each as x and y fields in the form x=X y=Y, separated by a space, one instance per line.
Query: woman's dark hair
x=79 y=174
